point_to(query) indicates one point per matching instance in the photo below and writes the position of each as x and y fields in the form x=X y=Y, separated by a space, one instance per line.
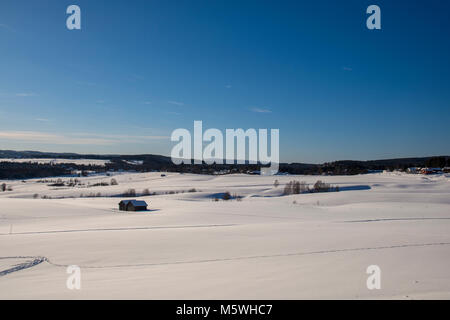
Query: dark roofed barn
x=132 y=205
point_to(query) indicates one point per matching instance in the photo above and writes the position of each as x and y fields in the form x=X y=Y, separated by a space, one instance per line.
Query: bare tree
x=288 y=188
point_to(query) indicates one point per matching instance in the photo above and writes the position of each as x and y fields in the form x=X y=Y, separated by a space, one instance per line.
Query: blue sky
x=140 y=69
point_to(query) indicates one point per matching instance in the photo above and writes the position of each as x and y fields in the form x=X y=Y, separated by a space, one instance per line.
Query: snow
x=266 y=246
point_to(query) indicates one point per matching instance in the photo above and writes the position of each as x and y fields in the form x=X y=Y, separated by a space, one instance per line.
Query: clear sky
x=139 y=69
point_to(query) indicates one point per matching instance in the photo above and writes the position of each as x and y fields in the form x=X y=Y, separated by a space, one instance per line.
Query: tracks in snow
x=393 y=219
x=258 y=256
x=119 y=229
x=39 y=259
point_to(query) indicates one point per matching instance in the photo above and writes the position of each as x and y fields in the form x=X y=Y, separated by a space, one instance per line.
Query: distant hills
x=418 y=161
x=54 y=155
x=150 y=162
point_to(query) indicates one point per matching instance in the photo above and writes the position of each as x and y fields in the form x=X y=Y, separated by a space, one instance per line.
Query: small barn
x=132 y=205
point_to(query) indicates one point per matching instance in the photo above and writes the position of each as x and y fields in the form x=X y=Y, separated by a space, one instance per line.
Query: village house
x=430 y=170
x=132 y=205
x=413 y=170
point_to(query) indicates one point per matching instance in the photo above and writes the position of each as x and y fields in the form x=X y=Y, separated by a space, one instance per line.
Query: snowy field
x=266 y=246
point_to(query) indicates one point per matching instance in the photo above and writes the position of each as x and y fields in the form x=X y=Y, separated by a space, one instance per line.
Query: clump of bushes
x=298 y=187
x=226 y=196
x=60 y=183
x=129 y=193
x=179 y=191
x=4 y=188
x=73 y=182
x=100 y=184
x=320 y=186
x=114 y=182
x=91 y=195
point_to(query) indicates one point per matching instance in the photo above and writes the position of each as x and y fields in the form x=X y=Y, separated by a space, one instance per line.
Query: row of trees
x=15 y=170
x=438 y=162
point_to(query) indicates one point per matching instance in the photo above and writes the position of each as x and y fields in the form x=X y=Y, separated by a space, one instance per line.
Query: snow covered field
x=266 y=246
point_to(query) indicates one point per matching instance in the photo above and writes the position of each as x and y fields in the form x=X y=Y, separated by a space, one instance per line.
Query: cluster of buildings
x=428 y=170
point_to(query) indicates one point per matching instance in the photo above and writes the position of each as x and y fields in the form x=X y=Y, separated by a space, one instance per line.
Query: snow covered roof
x=136 y=203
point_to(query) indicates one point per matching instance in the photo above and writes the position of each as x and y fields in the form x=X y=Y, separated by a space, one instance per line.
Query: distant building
x=132 y=205
x=413 y=170
x=430 y=170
